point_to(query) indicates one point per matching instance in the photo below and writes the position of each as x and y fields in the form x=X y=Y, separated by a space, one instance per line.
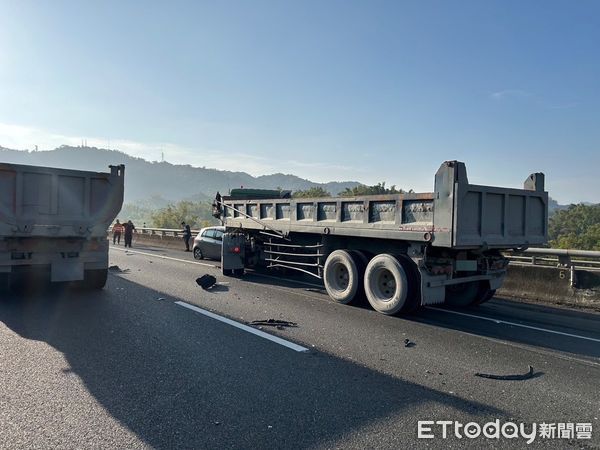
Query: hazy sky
x=328 y=90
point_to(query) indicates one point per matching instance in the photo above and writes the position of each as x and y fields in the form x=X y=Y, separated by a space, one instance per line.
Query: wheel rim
x=341 y=277
x=197 y=253
x=385 y=285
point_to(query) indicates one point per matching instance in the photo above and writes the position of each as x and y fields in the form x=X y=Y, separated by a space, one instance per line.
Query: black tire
x=413 y=300
x=387 y=284
x=341 y=276
x=95 y=279
x=463 y=294
x=361 y=259
x=238 y=272
x=198 y=253
x=486 y=295
x=227 y=272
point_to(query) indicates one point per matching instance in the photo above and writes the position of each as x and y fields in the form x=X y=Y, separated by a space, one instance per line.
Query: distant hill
x=554 y=206
x=162 y=181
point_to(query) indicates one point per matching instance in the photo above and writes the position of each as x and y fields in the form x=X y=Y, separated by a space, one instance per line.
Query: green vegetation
x=197 y=214
x=378 y=189
x=577 y=227
x=312 y=193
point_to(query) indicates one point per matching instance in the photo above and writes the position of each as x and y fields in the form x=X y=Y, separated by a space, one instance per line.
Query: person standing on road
x=187 y=235
x=129 y=227
x=117 y=231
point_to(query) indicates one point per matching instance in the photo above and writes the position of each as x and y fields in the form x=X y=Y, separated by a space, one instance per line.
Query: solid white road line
x=505 y=322
x=136 y=252
x=262 y=334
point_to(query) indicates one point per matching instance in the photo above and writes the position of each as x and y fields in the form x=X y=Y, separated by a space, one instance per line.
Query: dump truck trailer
x=401 y=250
x=53 y=223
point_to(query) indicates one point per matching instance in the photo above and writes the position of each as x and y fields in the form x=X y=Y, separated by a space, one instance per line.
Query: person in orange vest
x=117 y=231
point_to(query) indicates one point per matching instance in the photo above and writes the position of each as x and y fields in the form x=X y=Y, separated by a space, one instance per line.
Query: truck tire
x=486 y=295
x=413 y=300
x=95 y=279
x=341 y=276
x=463 y=294
x=361 y=259
x=387 y=284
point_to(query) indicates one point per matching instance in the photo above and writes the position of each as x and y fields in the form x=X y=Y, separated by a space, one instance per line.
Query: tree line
x=577 y=227
x=361 y=189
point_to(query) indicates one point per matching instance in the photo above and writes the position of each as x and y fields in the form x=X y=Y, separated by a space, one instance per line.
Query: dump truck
x=53 y=224
x=401 y=251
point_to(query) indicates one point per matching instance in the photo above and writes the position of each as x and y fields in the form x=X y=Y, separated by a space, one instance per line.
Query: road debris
x=524 y=376
x=206 y=281
x=279 y=324
x=117 y=269
x=408 y=343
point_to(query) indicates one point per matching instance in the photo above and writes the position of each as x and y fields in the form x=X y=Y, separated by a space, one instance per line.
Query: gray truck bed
x=49 y=202
x=456 y=215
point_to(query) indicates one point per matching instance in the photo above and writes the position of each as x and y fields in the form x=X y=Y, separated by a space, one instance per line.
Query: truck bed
x=49 y=202
x=456 y=215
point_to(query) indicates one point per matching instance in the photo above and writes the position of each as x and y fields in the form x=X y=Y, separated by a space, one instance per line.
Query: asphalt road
x=130 y=367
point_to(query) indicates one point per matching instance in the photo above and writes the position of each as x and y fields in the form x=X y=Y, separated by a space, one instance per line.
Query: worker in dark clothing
x=129 y=227
x=187 y=235
x=216 y=206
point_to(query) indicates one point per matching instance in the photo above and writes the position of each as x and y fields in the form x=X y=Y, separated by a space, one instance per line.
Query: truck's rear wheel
x=388 y=284
x=413 y=301
x=342 y=276
x=95 y=278
x=463 y=294
x=485 y=293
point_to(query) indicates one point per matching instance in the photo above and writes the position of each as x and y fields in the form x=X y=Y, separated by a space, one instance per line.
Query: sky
x=327 y=90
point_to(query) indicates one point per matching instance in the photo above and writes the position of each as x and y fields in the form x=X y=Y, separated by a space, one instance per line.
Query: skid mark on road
x=241 y=326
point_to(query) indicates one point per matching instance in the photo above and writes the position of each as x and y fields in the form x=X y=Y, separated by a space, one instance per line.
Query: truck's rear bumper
x=67 y=265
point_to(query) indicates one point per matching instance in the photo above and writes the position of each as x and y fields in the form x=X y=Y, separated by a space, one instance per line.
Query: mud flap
x=432 y=295
x=233 y=252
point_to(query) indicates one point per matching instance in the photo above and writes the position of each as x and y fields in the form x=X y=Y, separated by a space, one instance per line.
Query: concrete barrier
x=160 y=240
x=561 y=286
x=577 y=287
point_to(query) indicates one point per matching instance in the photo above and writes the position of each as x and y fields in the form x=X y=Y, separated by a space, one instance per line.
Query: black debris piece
x=206 y=281
x=524 y=376
x=408 y=343
x=279 y=324
x=117 y=269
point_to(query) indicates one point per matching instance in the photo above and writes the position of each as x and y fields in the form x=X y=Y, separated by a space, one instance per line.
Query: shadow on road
x=178 y=379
